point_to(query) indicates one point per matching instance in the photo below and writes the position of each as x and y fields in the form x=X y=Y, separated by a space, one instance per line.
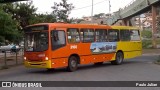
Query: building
x=145 y=21
x=97 y=19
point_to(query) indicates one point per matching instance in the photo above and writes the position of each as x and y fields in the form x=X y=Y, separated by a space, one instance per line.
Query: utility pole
x=154 y=31
x=92 y=13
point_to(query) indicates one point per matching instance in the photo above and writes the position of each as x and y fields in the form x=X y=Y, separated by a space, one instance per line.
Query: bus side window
x=73 y=35
x=58 y=39
x=125 y=35
x=87 y=35
x=135 y=35
x=101 y=35
x=113 y=35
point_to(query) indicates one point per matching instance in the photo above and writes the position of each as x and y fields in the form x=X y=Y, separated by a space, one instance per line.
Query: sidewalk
x=146 y=52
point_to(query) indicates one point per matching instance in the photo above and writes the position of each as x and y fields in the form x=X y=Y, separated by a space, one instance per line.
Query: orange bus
x=55 y=45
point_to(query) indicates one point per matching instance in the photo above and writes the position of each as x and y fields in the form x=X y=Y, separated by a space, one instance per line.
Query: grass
x=158 y=40
x=147 y=44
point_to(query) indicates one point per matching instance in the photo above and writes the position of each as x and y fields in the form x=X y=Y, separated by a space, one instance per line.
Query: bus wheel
x=98 y=63
x=119 y=59
x=72 y=63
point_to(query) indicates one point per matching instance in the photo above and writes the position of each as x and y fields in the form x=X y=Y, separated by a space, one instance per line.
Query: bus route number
x=73 y=47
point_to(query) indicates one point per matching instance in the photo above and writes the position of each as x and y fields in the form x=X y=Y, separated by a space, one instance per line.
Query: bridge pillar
x=154 y=31
x=126 y=22
x=123 y=22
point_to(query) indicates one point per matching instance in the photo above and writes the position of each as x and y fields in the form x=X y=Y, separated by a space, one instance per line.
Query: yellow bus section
x=44 y=64
x=130 y=48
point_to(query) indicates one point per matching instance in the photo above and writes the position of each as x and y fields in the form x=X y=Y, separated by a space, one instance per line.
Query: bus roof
x=68 y=25
x=124 y=27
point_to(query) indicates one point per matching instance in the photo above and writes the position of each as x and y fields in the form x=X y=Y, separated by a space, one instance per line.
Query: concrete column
x=154 y=31
x=125 y=22
x=128 y=22
x=139 y=21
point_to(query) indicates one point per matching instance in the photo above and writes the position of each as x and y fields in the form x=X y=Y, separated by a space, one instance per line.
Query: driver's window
x=58 y=39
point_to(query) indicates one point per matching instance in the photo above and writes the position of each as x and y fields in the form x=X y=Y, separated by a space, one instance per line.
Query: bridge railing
x=128 y=4
x=134 y=8
x=116 y=16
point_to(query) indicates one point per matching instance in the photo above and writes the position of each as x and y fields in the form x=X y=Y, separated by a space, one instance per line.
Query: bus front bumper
x=44 y=64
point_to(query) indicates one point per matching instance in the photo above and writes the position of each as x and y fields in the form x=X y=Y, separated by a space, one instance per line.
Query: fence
x=9 y=59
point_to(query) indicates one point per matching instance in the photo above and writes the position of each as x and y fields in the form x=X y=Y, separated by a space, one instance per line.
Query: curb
x=151 y=54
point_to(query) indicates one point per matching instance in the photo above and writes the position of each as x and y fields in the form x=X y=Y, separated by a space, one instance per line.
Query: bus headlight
x=46 y=58
x=25 y=58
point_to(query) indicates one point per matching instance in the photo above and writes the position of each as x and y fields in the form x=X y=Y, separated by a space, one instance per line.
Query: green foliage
x=15 y=16
x=22 y=12
x=146 y=44
x=42 y=18
x=25 y=14
x=8 y=28
x=146 y=33
x=62 y=10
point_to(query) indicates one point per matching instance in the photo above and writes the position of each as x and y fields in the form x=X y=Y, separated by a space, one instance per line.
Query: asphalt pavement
x=138 y=69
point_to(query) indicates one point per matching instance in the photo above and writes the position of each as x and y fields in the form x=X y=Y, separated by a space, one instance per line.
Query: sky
x=100 y=6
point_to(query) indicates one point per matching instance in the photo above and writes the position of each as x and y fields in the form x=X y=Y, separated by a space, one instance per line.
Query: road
x=137 y=69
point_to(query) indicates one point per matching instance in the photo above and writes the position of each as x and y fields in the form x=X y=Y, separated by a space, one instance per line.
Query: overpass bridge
x=136 y=7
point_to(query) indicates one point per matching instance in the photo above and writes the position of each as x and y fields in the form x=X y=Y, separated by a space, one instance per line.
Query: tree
x=22 y=12
x=62 y=10
x=20 y=15
x=42 y=18
x=8 y=28
x=146 y=33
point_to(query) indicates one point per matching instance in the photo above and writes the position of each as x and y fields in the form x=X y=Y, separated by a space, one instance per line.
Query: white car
x=7 y=48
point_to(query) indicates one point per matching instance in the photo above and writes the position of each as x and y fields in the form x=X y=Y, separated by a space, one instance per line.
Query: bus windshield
x=36 y=41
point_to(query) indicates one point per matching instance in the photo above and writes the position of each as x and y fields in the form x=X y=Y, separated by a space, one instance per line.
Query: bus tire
x=119 y=59
x=72 y=64
x=98 y=63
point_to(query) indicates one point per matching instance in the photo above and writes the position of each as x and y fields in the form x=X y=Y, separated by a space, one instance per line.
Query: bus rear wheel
x=72 y=64
x=119 y=59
